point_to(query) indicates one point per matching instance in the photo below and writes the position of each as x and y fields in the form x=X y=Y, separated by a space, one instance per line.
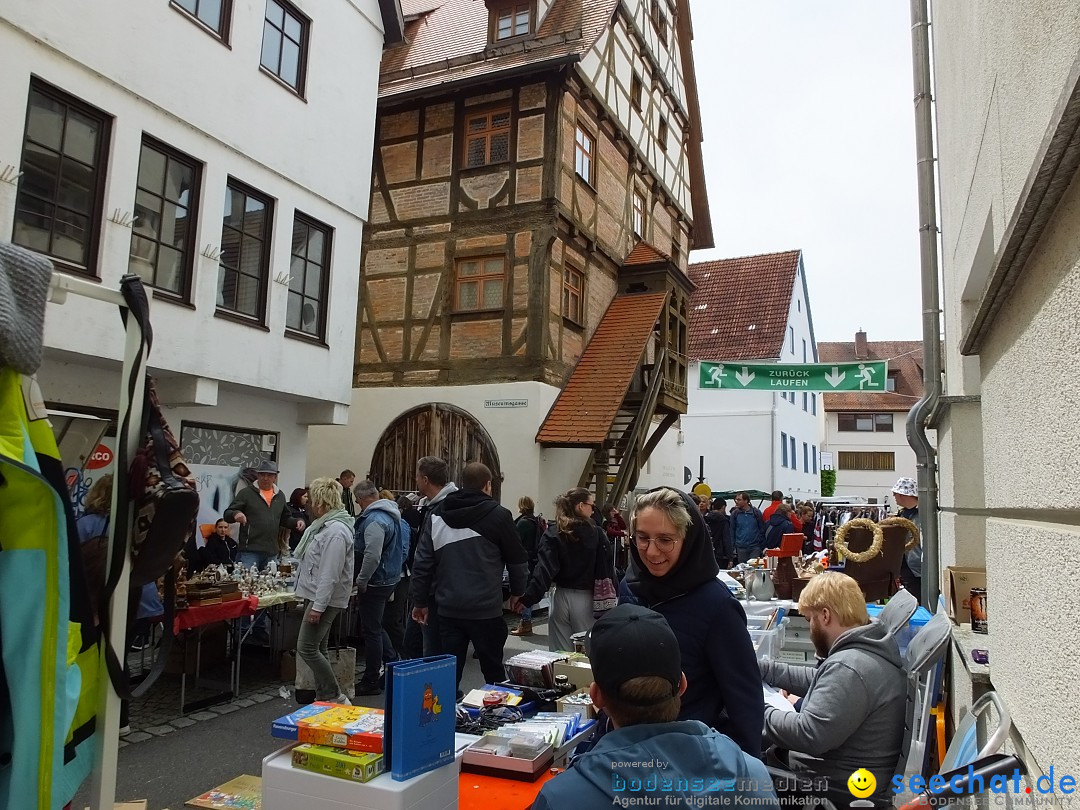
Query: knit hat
x=24 y=288
x=906 y=486
x=631 y=641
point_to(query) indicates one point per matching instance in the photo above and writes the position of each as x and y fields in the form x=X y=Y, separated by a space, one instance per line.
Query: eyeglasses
x=663 y=544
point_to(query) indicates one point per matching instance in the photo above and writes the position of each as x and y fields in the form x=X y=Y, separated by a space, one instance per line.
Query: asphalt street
x=170 y=769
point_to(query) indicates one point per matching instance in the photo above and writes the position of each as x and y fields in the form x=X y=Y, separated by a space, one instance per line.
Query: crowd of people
x=676 y=674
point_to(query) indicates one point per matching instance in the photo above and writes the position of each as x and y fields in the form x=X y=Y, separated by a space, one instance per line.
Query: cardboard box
x=352 y=727
x=587 y=710
x=577 y=670
x=357 y=766
x=957 y=582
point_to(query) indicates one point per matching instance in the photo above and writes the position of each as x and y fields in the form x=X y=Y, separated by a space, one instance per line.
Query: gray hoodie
x=852 y=713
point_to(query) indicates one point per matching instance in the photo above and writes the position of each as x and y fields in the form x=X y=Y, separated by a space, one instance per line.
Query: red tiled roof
x=584 y=411
x=449 y=43
x=905 y=359
x=739 y=310
x=644 y=253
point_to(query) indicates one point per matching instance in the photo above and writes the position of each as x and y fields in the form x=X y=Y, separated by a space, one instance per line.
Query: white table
x=287 y=788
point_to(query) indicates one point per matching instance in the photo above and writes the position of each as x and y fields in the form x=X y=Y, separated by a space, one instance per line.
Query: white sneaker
x=125 y=730
x=342 y=700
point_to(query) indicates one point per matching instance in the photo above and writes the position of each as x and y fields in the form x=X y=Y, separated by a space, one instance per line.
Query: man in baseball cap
x=906 y=494
x=649 y=754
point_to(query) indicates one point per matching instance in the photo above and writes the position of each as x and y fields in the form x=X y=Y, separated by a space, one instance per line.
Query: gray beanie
x=24 y=288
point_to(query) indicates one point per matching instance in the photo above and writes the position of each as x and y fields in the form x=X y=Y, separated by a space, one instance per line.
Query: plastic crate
x=767 y=643
x=915 y=624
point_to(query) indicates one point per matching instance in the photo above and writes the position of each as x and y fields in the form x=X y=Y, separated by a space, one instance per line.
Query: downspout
x=931 y=326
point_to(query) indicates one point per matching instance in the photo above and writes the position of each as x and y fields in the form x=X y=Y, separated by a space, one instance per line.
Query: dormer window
x=511 y=20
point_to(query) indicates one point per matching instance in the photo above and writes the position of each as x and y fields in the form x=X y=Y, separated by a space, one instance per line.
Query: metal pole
x=925 y=454
x=103 y=784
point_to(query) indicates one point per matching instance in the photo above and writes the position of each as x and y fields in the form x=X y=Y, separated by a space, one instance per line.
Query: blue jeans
x=526 y=614
x=377 y=645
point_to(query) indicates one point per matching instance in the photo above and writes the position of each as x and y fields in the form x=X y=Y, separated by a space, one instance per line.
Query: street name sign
x=866 y=376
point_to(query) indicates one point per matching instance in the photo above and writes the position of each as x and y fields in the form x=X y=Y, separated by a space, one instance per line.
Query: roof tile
x=448 y=42
x=588 y=403
x=739 y=310
x=905 y=359
x=644 y=253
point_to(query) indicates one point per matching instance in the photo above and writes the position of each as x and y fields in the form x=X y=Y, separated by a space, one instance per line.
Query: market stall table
x=198 y=618
x=274 y=606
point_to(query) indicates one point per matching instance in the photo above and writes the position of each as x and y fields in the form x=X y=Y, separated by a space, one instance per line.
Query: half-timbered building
x=537 y=187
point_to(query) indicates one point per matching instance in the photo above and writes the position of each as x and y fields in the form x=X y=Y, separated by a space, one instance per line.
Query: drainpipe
x=931 y=305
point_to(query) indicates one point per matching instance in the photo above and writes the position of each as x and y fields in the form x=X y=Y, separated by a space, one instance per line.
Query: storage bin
x=914 y=625
x=767 y=643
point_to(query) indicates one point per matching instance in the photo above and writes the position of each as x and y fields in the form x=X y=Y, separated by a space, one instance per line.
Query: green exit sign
x=867 y=376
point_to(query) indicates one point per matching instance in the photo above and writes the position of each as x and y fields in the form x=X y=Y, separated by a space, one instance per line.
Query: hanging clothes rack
x=103 y=780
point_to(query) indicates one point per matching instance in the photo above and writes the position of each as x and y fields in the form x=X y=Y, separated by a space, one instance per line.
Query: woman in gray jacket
x=324 y=581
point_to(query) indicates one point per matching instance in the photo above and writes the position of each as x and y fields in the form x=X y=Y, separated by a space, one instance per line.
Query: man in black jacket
x=720 y=529
x=463 y=549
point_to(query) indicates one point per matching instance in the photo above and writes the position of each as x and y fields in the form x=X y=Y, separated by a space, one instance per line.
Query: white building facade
x=753 y=308
x=219 y=150
x=866 y=431
x=1007 y=99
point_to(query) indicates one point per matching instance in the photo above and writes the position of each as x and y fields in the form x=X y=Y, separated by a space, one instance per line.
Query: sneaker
x=363 y=688
x=342 y=700
x=125 y=730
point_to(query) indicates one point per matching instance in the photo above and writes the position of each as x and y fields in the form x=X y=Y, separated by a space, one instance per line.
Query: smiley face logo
x=861 y=783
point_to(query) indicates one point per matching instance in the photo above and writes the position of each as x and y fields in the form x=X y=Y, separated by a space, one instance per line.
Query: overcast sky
x=809 y=143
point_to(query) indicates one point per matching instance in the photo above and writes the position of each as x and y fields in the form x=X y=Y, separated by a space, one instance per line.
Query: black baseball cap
x=629 y=642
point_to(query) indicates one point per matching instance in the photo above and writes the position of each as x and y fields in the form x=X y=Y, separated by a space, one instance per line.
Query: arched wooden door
x=438 y=429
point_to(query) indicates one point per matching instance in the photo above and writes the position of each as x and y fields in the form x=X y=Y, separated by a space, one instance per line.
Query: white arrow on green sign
x=866 y=376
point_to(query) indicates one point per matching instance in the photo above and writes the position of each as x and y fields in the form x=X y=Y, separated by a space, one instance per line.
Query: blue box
x=915 y=624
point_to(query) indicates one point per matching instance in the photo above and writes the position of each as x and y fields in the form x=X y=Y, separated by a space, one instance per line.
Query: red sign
x=101 y=457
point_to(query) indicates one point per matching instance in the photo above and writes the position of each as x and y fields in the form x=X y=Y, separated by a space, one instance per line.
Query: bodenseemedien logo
x=861 y=783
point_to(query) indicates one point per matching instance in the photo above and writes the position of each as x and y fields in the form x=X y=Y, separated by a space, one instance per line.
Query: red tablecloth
x=206 y=614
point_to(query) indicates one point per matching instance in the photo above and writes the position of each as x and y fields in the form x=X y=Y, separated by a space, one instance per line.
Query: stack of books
x=341 y=741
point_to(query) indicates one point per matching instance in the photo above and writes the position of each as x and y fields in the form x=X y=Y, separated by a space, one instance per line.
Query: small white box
x=287 y=788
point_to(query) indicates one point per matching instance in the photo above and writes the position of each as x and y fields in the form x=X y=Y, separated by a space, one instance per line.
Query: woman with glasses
x=567 y=557
x=673 y=571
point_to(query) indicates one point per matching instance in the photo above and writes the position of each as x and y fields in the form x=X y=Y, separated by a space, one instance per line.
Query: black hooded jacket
x=718 y=659
x=471 y=539
x=568 y=562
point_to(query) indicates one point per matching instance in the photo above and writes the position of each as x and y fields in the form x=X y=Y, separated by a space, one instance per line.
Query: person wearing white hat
x=906 y=495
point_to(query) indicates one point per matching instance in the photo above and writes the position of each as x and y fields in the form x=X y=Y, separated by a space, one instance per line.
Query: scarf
x=333 y=516
x=696 y=565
